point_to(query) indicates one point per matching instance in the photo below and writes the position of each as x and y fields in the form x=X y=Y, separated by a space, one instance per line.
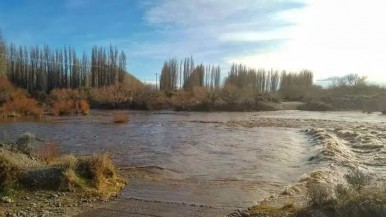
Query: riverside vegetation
x=57 y=184
x=36 y=81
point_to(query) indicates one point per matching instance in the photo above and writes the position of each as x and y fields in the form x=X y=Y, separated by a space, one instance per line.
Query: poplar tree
x=3 y=56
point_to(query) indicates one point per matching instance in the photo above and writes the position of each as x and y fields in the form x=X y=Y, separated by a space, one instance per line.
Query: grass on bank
x=45 y=169
x=94 y=175
x=9 y=174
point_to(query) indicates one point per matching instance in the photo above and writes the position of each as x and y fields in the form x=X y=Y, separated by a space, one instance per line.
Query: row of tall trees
x=169 y=75
x=107 y=67
x=3 y=57
x=204 y=76
x=44 y=69
x=301 y=79
x=260 y=81
x=188 y=75
x=256 y=80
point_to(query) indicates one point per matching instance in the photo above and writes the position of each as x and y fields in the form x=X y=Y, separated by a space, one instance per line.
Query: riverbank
x=36 y=181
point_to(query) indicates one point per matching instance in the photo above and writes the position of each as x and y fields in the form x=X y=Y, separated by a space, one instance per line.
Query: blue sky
x=332 y=38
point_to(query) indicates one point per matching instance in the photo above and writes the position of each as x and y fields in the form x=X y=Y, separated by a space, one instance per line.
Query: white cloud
x=212 y=29
x=331 y=38
x=190 y=13
x=254 y=36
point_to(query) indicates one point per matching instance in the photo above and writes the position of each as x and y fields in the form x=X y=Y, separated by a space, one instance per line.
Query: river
x=195 y=158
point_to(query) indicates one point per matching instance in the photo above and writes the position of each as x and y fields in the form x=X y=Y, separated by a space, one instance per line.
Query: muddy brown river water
x=230 y=160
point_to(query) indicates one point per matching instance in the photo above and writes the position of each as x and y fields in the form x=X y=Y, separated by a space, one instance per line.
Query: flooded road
x=223 y=160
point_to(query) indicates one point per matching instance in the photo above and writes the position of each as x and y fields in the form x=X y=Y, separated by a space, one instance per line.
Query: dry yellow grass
x=94 y=175
x=48 y=152
x=9 y=173
x=90 y=176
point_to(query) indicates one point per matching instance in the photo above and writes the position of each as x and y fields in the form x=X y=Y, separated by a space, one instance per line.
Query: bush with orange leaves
x=6 y=88
x=68 y=102
x=5 y=84
x=16 y=102
x=21 y=107
x=120 y=118
x=62 y=107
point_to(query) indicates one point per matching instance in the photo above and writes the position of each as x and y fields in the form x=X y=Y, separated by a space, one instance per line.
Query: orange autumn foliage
x=22 y=106
x=69 y=107
x=15 y=102
x=120 y=118
x=68 y=102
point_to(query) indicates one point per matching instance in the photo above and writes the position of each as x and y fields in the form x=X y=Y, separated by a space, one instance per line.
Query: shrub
x=5 y=84
x=5 y=89
x=66 y=94
x=94 y=175
x=68 y=102
x=48 y=152
x=62 y=107
x=9 y=173
x=22 y=107
x=149 y=99
x=72 y=180
x=69 y=107
x=25 y=143
x=200 y=93
x=66 y=162
x=120 y=118
x=16 y=102
x=112 y=95
x=82 y=107
x=182 y=100
x=69 y=165
x=97 y=169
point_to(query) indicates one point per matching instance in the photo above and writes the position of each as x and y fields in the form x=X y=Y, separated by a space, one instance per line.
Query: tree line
x=267 y=81
x=185 y=75
x=258 y=81
x=3 y=57
x=44 y=69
